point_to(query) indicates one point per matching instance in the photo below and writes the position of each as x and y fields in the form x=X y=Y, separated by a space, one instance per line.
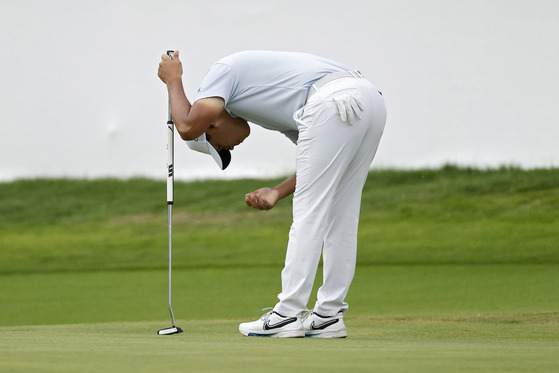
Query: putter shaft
x=170 y=211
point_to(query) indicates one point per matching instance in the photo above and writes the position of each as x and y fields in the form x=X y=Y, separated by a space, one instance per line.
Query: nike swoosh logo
x=267 y=325
x=325 y=325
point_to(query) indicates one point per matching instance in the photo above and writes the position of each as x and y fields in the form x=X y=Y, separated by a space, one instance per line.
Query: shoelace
x=267 y=314
x=307 y=315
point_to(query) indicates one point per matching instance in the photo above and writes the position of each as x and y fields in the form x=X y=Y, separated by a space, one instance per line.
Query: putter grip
x=170 y=162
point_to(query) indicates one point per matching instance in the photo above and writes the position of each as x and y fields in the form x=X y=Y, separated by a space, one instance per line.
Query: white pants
x=333 y=160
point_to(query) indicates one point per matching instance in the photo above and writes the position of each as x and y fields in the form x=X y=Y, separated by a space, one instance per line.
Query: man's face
x=227 y=132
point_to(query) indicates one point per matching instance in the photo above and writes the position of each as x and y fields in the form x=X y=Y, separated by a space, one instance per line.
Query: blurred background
x=471 y=83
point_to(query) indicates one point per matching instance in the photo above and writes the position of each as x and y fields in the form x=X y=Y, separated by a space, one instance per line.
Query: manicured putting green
x=523 y=343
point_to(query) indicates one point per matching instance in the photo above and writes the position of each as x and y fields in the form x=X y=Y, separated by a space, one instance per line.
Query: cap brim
x=222 y=157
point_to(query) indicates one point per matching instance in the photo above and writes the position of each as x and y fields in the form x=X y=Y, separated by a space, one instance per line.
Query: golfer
x=336 y=118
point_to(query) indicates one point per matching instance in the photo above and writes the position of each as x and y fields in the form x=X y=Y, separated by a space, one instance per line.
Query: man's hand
x=263 y=199
x=266 y=198
x=170 y=69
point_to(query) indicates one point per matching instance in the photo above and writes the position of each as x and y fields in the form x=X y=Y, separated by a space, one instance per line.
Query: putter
x=170 y=181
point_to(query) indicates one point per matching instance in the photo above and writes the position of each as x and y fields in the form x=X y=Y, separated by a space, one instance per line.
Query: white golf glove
x=348 y=106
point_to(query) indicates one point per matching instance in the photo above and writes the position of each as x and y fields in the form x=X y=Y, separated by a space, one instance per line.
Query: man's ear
x=223 y=117
x=220 y=119
x=216 y=124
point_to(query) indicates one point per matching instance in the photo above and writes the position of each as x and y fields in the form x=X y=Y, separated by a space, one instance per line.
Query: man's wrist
x=281 y=191
x=174 y=82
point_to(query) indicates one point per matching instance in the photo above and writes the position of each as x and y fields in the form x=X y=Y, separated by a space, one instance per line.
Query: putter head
x=171 y=330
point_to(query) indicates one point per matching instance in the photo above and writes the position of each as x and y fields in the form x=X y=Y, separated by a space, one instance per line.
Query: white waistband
x=330 y=77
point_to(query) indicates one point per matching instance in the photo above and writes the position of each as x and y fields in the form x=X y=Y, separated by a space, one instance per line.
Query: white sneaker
x=317 y=326
x=273 y=324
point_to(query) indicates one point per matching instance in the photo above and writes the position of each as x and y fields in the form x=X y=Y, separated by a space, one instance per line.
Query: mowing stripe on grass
x=215 y=293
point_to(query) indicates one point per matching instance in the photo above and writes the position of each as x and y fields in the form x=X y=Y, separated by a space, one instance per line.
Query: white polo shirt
x=266 y=87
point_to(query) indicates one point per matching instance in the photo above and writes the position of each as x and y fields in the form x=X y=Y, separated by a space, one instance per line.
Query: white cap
x=222 y=158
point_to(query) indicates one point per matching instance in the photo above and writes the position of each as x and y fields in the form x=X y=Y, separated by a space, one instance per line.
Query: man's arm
x=191 y=121
x=267 y=198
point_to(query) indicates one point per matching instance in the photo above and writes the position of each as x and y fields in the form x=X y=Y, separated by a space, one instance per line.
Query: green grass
x=446 y=216
x=498 y=318
x=458 y=270
x=217 y=293
x=518 y=344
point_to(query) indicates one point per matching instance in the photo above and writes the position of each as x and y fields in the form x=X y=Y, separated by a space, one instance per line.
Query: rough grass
x=429 y=216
